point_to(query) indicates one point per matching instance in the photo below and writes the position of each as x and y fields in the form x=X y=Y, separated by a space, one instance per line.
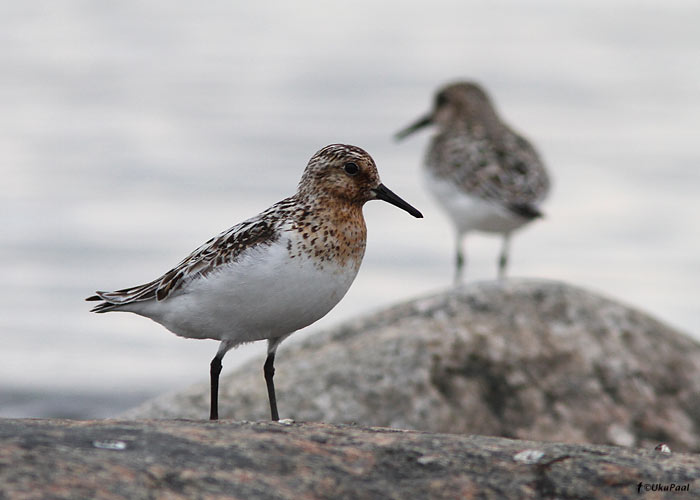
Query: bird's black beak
x=384 y=193
x=419 y=124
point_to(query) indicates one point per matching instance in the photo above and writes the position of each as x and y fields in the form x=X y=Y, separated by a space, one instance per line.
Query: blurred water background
x=132 y=131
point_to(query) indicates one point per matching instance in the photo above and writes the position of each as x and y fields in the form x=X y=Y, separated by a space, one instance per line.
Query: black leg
x=269 y=370
x=214 y=372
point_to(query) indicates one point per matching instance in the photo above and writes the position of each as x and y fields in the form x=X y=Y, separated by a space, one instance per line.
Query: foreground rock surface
x=63 y=459
x=523 y=359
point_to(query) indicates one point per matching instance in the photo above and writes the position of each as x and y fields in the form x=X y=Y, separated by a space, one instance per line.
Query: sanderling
x=274 y=273
x=486 y=176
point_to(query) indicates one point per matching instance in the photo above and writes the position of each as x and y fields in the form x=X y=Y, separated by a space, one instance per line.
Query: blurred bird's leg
x=461 y=260
x=503 y=259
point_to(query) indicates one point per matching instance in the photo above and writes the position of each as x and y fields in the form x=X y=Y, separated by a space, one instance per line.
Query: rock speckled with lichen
x=523 y=359
x=178 y=460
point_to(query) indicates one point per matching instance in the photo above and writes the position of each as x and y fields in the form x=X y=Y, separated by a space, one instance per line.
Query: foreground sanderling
x=273 y=274
x=486 y=176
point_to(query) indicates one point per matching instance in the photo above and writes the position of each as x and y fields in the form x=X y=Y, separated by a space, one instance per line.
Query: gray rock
x=63 y=459
x=523 y=359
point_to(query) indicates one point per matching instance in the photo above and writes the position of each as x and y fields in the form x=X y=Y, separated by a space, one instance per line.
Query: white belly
x=470 y=213
x=264 y=294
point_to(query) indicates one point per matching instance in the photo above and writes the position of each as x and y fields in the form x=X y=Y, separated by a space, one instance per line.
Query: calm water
x=132 y=131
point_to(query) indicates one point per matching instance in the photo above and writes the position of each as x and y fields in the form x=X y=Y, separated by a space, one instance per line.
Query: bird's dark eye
x=351 y=168
x=440 y=100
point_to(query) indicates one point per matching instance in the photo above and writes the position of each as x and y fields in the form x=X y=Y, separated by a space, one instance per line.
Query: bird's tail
x=526 y=210
x=105 y=306
x=112 y=301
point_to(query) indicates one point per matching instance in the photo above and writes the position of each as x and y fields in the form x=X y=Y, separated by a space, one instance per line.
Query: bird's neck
x=331 y=227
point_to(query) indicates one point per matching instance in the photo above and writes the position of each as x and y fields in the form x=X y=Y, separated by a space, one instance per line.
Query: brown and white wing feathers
x=220 y=250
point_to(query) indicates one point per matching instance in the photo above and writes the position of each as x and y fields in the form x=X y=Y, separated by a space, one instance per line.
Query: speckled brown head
x=346 y=174
x=462 y=102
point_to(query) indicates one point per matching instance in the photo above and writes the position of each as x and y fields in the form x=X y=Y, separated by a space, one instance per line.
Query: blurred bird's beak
x=424 y=121
x=384 y=193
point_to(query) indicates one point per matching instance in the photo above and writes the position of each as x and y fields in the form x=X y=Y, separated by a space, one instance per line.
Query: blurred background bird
x=486 y=176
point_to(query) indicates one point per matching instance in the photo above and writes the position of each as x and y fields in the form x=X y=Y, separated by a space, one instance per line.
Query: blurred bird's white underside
x=470 y=213
x=263 y=294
